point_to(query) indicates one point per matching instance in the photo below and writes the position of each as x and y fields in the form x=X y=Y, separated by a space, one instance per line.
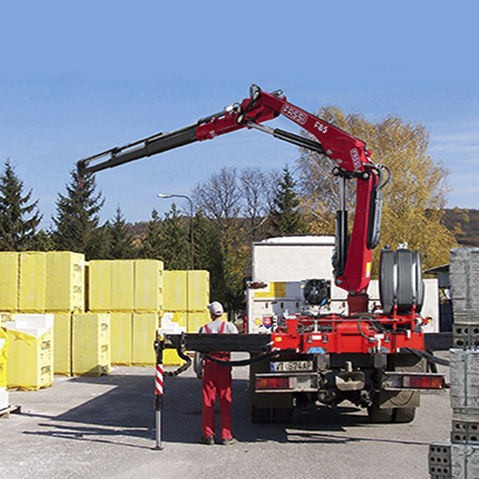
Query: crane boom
x=352 y=261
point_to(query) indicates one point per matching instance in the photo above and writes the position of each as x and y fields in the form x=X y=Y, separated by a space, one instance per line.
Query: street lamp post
x=192 y=238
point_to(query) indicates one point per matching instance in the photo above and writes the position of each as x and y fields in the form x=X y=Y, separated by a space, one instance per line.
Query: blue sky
x=77 y=78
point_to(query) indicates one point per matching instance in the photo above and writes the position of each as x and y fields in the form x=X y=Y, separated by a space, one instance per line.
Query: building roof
x=444 y=268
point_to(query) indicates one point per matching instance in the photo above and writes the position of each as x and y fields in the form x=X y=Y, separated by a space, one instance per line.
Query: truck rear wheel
x=404 y=414
x=380 y=416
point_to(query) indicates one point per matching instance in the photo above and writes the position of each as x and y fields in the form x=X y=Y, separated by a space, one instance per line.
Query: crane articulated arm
x=352 y=261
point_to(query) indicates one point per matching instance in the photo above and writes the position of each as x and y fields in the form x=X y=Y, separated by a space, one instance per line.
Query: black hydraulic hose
x=376 y=325
x=243 y=362
x=183 y=367
x=388 y=178
x=360 y=331
x=246 y=362
x=428 y=356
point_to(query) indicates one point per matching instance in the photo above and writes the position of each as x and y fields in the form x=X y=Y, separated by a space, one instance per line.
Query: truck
x=287 y=275
x=370 y=354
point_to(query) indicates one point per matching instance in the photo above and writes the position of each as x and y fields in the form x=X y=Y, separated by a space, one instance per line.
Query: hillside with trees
x=464 y=223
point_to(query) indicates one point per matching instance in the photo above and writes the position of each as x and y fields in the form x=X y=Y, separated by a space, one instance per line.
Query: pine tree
x=152 y=242
x=286 y=218
x=175 y=242
x=120 y=238
x=19 y=219
x=168 y=239
x=42 y=241
x=77 y=222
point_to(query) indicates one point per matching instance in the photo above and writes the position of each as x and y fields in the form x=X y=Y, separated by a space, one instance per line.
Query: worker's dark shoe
x=209 y=441
x=229 y=442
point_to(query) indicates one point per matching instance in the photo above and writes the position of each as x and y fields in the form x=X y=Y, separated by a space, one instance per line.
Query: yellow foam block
x=121 y=338
x=99 y=285
x=65 y=281
x=148 y=285
x=180 y=317
x=30 y=358
x=122 y=285
x=62 y=346
x=198 y=290
x=191 y=320
x=9 y=262
x=3 y=358
x=32 y=282
x=145 y=326
x=170 y=356
x=196 y=320
x=174 y=292
x=91 y=344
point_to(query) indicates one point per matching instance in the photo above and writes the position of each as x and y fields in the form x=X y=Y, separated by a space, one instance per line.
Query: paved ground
x=103 y=427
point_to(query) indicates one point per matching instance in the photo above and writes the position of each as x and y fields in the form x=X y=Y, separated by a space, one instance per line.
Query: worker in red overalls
x=216 y=380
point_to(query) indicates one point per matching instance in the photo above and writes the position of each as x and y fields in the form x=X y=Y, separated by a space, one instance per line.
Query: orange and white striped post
x=159 y=346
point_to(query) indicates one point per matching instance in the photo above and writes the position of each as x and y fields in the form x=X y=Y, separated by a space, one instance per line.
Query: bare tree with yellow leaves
x=413 y=200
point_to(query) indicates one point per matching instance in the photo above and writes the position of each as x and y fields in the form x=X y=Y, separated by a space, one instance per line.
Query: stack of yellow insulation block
x=9 y=281
x=125 y=285
x=145 y=326
x=176 y=291
x=62 y=344
x=64 y=295
x=65 y=282
x=132 y=292
x=148 y=285
x=30 y=351
x=132 y=338
x=186 y=296
x=121 y=337
x=32 y=282
x=106 y=314
x=38 y=282
x=3 y=370
x=90 y=344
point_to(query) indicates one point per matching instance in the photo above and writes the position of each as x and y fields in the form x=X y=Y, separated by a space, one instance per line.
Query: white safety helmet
x=215 y=308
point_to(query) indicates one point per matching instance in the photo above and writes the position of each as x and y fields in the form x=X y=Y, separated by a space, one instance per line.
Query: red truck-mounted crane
x=376 y=359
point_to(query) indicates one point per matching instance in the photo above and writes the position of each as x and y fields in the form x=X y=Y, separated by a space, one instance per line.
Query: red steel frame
x=342 y=335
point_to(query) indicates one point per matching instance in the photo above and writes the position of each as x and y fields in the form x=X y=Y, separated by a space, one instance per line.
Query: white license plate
x=292 y=366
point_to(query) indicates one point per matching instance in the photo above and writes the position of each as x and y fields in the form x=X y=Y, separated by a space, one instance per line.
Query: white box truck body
x=282 y=265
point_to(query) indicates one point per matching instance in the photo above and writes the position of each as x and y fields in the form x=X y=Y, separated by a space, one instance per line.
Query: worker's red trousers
x=216 y=379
